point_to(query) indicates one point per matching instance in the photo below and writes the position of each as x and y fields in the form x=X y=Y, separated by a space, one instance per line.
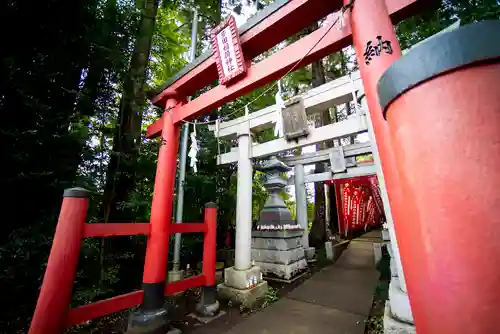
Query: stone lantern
x=276 y=246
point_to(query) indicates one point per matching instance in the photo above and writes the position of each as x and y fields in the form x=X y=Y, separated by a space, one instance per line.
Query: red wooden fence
x=52 y=312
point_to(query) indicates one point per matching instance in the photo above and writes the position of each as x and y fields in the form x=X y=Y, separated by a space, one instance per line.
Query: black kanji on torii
x=376 y=50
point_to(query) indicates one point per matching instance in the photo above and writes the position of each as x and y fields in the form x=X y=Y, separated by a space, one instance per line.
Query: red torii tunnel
x=432 y=298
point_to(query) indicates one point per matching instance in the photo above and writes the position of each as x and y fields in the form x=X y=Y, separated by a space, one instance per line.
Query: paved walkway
x=336 y=300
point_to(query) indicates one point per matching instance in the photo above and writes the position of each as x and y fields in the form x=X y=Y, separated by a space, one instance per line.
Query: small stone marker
x=329 y=250
x=337 y=160
x=385 y=234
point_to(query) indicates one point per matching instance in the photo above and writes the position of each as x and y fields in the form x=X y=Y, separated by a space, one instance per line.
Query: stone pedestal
x=277 y=240
x=310 y=252
x=394 y=326
x=242 y=286
x=279 y=253
x=209 y=305
x=148 y=322
x=399 y=302
x=398 y=318
x=175 y=275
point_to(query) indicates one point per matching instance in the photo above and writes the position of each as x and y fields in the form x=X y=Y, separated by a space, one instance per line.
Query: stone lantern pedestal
x=276 y=241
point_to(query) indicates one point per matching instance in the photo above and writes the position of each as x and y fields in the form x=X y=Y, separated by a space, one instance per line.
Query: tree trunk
x=317 y=235
x=121 y=175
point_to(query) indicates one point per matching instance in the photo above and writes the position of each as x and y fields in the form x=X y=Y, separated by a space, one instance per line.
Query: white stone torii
x=347 y=169
x=334 y=93
x=337 y=92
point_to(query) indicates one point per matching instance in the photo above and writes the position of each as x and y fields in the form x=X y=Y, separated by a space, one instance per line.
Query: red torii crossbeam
x=270 y=68
x=288 y=17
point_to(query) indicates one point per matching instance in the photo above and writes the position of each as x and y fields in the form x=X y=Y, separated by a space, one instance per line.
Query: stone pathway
x=336 y=300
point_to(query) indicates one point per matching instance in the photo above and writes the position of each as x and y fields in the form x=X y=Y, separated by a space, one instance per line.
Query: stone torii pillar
x=244 y=200
x=243 y=283
x=301 y=208
x=398 y=317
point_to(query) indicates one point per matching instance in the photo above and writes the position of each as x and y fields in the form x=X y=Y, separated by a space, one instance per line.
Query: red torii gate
x=368 y=19
x=290 y=19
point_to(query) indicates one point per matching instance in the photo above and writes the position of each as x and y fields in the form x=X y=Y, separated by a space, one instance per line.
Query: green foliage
x=169 y=45
x=270 y=296
x=433 y=20
x=375 y=325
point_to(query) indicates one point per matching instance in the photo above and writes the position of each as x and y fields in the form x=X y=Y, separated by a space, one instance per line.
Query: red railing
x=52 y=312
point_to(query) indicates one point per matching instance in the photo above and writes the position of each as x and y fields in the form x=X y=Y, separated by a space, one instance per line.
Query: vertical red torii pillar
x=155 y=266
x=442 y=104
x=376 y=45
x=439 y=151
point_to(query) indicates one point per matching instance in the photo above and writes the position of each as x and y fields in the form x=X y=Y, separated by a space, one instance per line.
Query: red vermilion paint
x=209 y=245
x=370 y=19
x=57 y=286
x=155 y=266
x=446 y=135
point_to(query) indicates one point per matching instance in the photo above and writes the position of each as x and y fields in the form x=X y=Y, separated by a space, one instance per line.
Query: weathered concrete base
x=247 y=297
x=399 y=302
x=394 y=326
x=281 y=254
x=242 y=279
x=175 y=275
x=174 y=331
x=208 y=310
x=281 y=234
x=236 y=286
x=148 y=322
x=278 y=256
x=310 y=252
x=282 y=280
x=206 y=320
x=208 y=305
x=286 y=271
x=277 y=244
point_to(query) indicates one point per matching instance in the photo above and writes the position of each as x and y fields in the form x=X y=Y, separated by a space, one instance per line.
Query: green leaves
x=433 y=20
x=170 y=43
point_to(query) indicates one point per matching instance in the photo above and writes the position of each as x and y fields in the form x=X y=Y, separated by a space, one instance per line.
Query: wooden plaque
x=225 y=40
x=295 y=119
